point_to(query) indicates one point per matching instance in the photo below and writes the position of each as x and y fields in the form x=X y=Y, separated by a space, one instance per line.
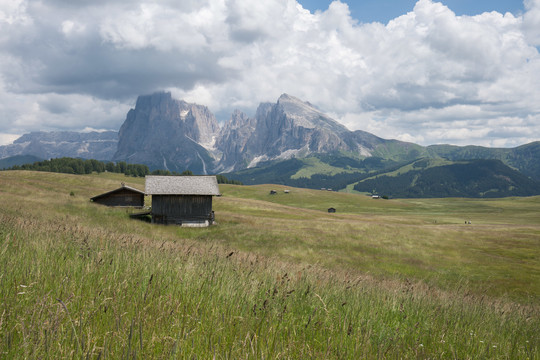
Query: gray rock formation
x=164 y=133
x=289 y=128
x=47 y=145
x=232 y=141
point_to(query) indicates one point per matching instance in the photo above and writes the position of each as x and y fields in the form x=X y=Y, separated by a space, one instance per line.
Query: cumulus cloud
x=531 y=21
x=427 y=76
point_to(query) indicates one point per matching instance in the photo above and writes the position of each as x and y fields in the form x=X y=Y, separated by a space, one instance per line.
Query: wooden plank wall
x=122 y=198
x=173 y=209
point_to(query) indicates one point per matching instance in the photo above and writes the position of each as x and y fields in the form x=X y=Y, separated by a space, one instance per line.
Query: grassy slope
x=18 y=160
x=487 y=177
x=423 y=239
x=314 y=166
x=380 y=278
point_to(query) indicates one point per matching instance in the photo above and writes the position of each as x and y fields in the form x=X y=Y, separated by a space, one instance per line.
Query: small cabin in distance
x=182 y=200
x=123 y=196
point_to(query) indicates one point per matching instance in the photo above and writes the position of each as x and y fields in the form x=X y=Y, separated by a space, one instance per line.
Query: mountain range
x=289 y=142
x=165 y=133
x=47 y=145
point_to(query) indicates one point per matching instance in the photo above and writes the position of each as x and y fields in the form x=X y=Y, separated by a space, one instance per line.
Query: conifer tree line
x=67 y=165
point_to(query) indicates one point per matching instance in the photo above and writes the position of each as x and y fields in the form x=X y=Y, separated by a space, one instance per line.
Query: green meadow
x=277 y=278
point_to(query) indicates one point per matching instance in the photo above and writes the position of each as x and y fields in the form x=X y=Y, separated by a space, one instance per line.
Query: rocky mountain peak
x=238 y=120
x=307 y=115
x=167 y=133
x=153 y=101
x=288 y=128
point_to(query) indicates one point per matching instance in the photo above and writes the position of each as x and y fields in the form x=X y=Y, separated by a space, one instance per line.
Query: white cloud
x=531 y=21
x=71 y=27
x=13 y=11
x=428 y=76
x=8 y=138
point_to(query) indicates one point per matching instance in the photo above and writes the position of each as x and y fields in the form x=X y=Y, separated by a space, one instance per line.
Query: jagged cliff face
x=232 y=141
x=283 y=130
x=165 y=133
x=293 y=125
x=168 y=134
x=47 y=145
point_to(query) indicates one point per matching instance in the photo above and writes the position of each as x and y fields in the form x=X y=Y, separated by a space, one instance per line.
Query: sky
x=454 y=72
x=383 y=11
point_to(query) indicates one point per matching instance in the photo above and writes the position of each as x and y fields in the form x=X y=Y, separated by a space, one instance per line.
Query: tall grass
x=82 y=281
x=76 y=292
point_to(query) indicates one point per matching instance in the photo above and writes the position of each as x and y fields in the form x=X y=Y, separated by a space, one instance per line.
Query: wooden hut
x=331 y=210
x=123 y=196
x=182 y=200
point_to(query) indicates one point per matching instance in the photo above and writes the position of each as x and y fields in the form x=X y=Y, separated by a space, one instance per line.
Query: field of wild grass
x=278 y=277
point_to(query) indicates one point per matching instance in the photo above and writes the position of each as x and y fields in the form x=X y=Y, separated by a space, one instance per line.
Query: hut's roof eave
x=124 y=187
x=181 y=185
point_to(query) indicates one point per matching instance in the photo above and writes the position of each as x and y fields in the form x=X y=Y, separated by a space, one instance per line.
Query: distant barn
x=331 y=210
x=123 y=196
x=182 y=200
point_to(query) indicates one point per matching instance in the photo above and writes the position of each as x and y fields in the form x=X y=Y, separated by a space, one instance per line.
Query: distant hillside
x=334 y=171
x=525 y=158
x=18 y=160
x=443 y=170
x=426 y=178
x=422 y=178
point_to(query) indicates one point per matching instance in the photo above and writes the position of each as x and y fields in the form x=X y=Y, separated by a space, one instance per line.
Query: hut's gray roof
x=181 y=185
x=124 y=187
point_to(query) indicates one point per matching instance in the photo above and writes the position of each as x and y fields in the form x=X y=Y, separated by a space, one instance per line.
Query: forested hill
x=68 y=165
x=525 y=158
x=475 y=178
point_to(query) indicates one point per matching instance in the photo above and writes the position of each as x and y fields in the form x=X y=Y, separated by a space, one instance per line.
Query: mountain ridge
x=86 y=145
x=171 y=134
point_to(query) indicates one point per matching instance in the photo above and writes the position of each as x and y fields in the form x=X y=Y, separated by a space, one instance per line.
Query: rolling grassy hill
x=278 y=277
x=523 y=158
x=443 y=178
x=459 y=175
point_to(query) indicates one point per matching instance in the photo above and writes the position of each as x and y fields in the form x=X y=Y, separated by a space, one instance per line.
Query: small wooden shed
x=182 y=200
x=331 y=210
x=123 y=196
